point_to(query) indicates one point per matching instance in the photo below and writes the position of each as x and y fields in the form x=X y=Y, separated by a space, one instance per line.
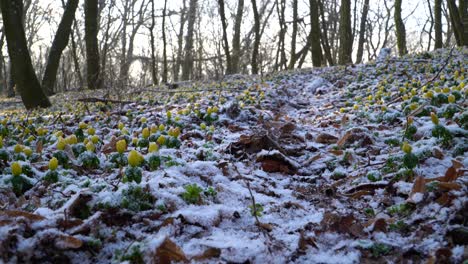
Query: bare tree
x=92 y=48
x=24 y=76
x=187 y=67
x=256 y=45
x=227 y=52
x=293 y=57
x=236 y=46
x=362 y=31
x=400 y=29
x=346 y=35
x=315 y=34
x=58 y=45
x=438 y=23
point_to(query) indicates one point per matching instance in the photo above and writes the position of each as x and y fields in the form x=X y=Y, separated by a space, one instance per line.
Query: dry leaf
x=68 y=242
x=16 y=213
x=207 y=254
x=168 y=251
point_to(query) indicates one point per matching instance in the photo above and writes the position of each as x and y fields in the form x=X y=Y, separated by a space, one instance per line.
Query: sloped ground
x=337 y=165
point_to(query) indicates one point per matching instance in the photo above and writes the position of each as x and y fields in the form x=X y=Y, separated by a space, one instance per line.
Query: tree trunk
x=315 y=34
x=58 y=45
x=227 y=52
x=400 y=29
x=187 y=67
x=256 y=45
x=92 y=48
x=293 y=58
x=236 y=45
x=346 y=34
x=154 y=75
x=180 y=38
x=24 y=76
x=362 y=31
x=165 y=70
x=438 y=24
x=459 y=19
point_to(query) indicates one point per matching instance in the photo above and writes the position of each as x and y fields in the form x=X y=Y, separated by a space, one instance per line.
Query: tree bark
x=236 y=45
x=227 y=52
x=293 y=58
x=92 y=48
x=187 y=67
x=180 y=38
x=362 y=31
x=346 y=34
x=58 y=45
x=165 y=69
x=400 y=29
x=24 y=76
x=256 y=45
x=315 y=34
x=154 y=75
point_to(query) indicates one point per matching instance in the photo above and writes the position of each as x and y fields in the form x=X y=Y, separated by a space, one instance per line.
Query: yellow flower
x=413 y=106
x=161 y=140
x=16 y=169
x=121 y=146
x=429 y=94
x=145 y=133
x=134 y=141
x=143 y=119
x=90 y=146
x=82 y=125
x=120 y=125
x=72 y=139
x=209 y=111
x=53 y=164
x=451 y=98
x=212 y=128
x=162 y=127
x=406 y=147
x=91 y=131
x=61 y=144
x=18 y=148
x=446 y=90
x=27 y=151
x=154 y=129
x=153 y=147
x=1 y=142
x=434 y=118
x=134 y=158
x=410 y=120
x=202 y=126
x=95 y=139
x=169 y=114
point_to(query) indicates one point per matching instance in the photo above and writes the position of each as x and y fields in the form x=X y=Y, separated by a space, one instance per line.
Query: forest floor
x=356 y=164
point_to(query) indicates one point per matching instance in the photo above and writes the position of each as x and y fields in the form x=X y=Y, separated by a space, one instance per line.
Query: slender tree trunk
x=92 y=48
x=324 y=36
x=236 y=45
x=459 y=19
x=2 y=62
x=346 y=34
x=76 y=61
x=256 y=45
x=154 y=75
x=293 y=58
x=362 y=31
x=227 y=52
x=400 y=29
x=165 y=69
x=180 y=38
x=315 y=34
x=58 y=45
x=187 y=67
x=11 y=81
x=24 y=76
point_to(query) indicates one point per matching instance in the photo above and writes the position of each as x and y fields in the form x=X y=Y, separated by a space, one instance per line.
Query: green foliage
x=410 y=131
x=132 y=174
x=192 y=194
x=78 y=149
x=154 y=162
x=410 y=161
x=442 y=133
x=403 y=209
x=51 y=177
x=257 y=210
x=136 y=199
x=120 y=160
x=374 y=176
x=89 y=160
x=134 y=256
x=20 y=184
x=380 y=249
x=62 y=158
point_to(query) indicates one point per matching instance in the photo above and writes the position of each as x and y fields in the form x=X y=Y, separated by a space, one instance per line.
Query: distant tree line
x=203 y=39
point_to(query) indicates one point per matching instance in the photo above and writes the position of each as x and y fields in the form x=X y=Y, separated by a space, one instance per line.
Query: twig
x=101 y=100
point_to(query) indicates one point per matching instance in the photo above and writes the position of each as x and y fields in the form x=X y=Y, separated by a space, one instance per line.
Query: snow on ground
x=322 y=153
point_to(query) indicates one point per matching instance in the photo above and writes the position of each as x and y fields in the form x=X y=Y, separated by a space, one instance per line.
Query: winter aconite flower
x=406 y=148
x=27 y=151
x=16 y=169
x=1 y=142
x=134 y=158
x=153 y=147
x=61 y=144
x=121 y=146
x=53 y=164
x=434 y=118
x=202 y=126
x=451 y=98
x=161 y=140
x=18 y=148
x=90 y=147
x=145 y=133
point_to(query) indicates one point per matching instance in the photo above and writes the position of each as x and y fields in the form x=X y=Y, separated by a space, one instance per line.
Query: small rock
x=459 y=235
